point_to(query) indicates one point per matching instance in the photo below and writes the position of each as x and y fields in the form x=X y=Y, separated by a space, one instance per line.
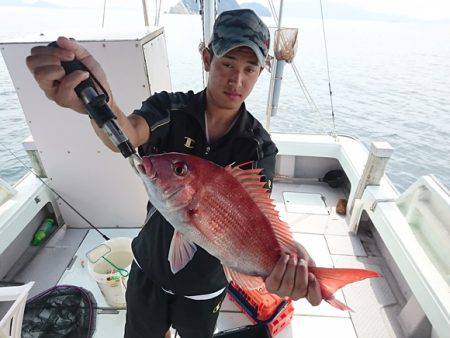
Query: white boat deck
x=323 y=233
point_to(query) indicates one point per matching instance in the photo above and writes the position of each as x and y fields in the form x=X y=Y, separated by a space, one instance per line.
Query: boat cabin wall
x=100 y=184
x=15 y=256
x=309 y=168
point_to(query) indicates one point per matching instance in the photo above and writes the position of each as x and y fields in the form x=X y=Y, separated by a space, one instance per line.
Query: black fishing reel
x=97 y=107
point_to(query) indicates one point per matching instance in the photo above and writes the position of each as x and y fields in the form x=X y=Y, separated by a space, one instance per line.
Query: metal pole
x=144 y=9
x=273 y=74
x=269 y=98
x=280 y=14
x=209 y=16
x=277 y=86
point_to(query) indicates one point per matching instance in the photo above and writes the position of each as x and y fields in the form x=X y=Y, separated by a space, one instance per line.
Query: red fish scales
x=230 y=219
x=229 y=213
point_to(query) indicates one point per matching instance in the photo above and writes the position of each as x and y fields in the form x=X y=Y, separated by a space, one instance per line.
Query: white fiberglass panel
x=305 y=203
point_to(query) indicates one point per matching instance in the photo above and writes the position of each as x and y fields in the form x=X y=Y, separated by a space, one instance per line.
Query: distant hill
x=257 y=8
x=181 y=8
x=333 y=10
x=192 y=7
x=227 y=6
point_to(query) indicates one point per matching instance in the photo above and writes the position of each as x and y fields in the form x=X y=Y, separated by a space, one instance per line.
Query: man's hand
x=45 y=65
x=290 y=278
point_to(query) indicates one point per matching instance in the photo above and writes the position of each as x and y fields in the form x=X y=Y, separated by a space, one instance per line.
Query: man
x=213 y=124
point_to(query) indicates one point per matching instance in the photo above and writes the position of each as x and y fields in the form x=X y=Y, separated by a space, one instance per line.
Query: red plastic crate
x=282 y=320
x=263 y=307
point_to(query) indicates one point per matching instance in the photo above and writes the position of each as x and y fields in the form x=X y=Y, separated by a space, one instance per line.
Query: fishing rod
x=97 y=108
x=57 y=194
x=96 y=104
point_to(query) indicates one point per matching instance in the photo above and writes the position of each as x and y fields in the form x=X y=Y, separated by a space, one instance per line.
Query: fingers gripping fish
x=228 y=212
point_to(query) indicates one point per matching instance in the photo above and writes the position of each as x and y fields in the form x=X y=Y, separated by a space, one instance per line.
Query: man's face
x=231 y=77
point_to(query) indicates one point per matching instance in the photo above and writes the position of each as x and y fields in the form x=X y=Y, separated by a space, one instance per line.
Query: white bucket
x=111 y=283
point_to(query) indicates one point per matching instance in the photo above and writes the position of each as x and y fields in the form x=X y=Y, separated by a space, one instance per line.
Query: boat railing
x=34 y=157
x=414 y=228
x=6 y=191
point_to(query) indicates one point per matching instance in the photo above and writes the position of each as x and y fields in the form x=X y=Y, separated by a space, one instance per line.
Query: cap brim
x=253 y=46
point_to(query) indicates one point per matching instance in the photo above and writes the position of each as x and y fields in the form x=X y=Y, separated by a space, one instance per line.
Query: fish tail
x=338 y=304
x=331 y=280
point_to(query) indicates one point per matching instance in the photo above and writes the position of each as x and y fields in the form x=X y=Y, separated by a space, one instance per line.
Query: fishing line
x=309 y=99
x=328 y=68
x=40 y=179
x=104 y=11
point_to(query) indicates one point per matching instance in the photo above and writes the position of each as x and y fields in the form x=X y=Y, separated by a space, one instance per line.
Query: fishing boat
x=330 y=189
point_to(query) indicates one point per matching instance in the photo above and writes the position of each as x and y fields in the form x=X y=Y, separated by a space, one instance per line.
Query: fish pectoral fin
x=181 y=252
x=244 y=281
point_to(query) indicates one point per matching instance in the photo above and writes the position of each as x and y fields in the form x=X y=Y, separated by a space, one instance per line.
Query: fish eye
x=179 y=168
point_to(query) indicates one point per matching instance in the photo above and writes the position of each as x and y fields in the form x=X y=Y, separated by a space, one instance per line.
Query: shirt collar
x=197 y=106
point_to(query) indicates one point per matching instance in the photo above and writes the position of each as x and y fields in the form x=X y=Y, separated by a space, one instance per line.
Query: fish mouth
x=147 y=168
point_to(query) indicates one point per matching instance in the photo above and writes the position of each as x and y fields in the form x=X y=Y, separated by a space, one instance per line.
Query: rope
x=104 y=11
x=158 y=11
x=309 y=99
x=274 y=12
x=43 y=182
x=328 y=69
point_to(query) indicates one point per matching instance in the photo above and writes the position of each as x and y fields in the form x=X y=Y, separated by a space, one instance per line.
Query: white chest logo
x=189 y=142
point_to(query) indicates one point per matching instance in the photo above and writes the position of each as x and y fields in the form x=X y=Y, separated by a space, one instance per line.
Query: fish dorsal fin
x=250 y=180
x=244 y=281
x=181 y=252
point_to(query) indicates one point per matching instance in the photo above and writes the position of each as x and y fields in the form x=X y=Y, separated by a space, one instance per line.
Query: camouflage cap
x=237 y=28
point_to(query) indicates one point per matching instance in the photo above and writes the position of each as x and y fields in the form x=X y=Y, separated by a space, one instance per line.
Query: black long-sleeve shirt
x=177 y=124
